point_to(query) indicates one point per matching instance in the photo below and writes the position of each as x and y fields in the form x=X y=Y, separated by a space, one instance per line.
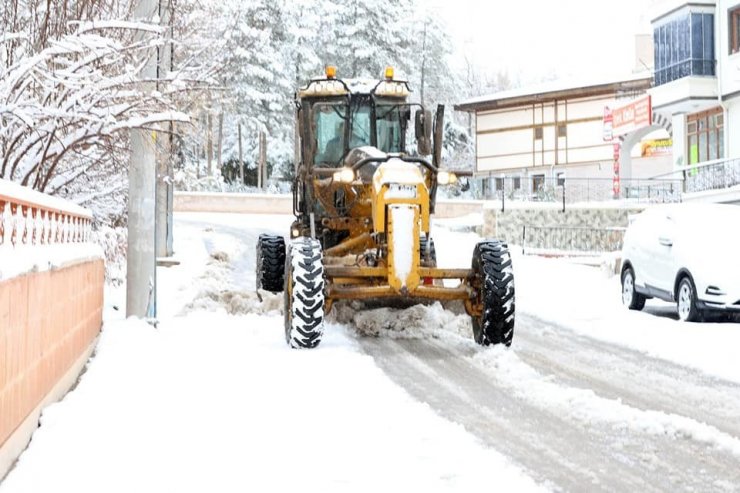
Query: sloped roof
x=557 y=89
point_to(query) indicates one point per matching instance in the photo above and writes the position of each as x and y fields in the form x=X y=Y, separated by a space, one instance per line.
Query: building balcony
x=688 y=94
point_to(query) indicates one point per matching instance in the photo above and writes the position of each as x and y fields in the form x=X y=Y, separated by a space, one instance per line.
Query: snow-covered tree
x=368 y=35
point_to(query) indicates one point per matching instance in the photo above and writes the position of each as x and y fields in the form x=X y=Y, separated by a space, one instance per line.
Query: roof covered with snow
x=561 y=88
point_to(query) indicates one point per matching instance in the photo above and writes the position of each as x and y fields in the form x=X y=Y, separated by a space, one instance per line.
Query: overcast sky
x=534 y=40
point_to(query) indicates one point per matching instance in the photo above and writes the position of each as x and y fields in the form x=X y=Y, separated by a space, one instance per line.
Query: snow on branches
x=65 y=108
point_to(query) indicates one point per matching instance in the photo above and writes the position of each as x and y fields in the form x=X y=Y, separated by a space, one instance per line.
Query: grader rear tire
x=495 y=280
x=270 y=263
x=427 y=252
x=304 y=294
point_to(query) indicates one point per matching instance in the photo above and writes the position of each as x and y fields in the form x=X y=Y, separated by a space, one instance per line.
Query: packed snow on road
x=590 y=396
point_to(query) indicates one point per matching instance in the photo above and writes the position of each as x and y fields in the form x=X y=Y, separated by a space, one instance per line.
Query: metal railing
x=579 y=240
x=577 y=190
x=718 y=174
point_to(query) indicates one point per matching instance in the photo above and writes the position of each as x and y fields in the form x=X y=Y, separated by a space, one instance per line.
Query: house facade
x=556 y=132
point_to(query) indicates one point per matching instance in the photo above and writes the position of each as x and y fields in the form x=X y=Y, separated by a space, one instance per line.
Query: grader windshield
x=339 y=127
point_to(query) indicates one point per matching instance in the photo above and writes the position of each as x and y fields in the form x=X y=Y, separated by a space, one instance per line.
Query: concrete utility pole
x=141 y=262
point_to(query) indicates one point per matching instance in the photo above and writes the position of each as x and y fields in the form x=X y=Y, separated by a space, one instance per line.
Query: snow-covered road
x=589 y=398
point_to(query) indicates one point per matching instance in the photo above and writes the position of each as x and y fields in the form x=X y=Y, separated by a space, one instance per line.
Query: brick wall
x=47 y=321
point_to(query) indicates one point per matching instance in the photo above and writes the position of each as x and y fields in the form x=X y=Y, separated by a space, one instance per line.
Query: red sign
x=608 y=119
x=632 y=116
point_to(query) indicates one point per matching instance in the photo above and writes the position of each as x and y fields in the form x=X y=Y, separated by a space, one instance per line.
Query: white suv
x=687 y=253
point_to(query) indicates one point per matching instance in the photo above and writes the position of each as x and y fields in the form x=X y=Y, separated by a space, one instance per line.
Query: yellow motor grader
x=362 y=204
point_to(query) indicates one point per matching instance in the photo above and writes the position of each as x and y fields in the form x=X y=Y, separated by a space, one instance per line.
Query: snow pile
x=416 y=322
x=215 y=291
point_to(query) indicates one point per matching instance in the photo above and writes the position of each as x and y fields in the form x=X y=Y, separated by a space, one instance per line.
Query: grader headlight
x=446 y=178
x=344 y=175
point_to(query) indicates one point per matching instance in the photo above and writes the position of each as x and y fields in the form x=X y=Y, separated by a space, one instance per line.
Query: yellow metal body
x=393 y=208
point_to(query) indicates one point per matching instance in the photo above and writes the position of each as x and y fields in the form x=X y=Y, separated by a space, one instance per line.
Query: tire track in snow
x=635 y=378
x=567 y=437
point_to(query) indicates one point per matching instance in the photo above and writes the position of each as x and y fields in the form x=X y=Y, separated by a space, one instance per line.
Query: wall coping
x=26 y=260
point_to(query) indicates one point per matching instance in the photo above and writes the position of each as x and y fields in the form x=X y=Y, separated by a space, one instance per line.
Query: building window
x=562 y=130
x=538 y=183
x=561 y=179
x=684 y=46
x=734 y=18
x=499 y=184
x=537 y=133
x=705 y=136
x=517 y=183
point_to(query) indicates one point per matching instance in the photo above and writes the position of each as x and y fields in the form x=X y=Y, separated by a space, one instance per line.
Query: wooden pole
x=241 y=161
x=209 y=142
x=220 y=139
x=261 y=171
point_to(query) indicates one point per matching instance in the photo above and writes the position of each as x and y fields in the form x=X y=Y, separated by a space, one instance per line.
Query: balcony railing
x=711 y=175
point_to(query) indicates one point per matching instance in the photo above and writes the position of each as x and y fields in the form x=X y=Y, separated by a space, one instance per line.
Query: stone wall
x=508 y=225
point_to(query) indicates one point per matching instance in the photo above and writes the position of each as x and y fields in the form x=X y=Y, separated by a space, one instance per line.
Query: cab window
x=388 y=128
x=329 y=121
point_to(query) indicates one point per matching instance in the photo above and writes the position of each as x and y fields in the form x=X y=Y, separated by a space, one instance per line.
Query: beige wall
x=283 y=204
x=47 y=321
x=505 y=138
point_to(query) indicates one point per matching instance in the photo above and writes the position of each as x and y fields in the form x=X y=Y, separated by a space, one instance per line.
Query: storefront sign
x=656 y=147
x=632 y=116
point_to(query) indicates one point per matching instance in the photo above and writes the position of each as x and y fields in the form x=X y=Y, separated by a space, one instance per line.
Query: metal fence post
x=524 y=237
x=503 y=198
x=563 y=196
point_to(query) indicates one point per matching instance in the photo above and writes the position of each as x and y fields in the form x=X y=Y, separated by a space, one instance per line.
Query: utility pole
x=141 y=262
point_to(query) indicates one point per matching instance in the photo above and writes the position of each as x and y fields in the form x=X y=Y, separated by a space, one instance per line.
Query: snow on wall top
x=14 y=193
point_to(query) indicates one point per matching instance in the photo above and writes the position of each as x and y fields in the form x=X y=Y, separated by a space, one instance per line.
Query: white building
x=697 y=77
x=556 y=131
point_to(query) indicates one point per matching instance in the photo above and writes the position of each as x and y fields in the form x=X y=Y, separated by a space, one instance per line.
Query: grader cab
x=362 y=204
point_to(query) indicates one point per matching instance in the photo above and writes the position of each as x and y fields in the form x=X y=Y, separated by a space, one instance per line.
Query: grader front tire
x=304 y=294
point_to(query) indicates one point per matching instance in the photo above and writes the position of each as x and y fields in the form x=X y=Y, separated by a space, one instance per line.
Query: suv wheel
x=631 y=298
x=686 y=301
